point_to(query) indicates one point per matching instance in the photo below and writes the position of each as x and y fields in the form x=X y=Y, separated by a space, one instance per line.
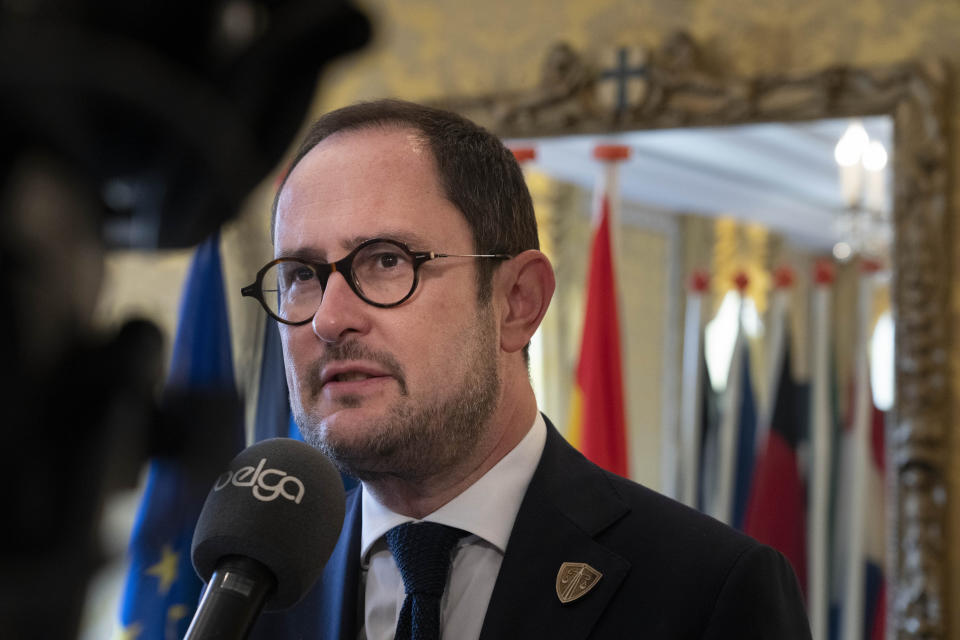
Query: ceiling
x=782 y=175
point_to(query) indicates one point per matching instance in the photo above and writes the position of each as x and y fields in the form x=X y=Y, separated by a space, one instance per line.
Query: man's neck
x=421 y=497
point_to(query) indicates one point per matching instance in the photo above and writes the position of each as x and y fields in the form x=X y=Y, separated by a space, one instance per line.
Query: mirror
x=671 y=88
x=765 y=203
x=754 y=198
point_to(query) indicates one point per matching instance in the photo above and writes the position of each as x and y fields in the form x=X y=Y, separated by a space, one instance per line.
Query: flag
x=857 y=589
x=776 y=499
x=866 y=588
x=736 y=434
x=273 y=417
x=746 y=442
x=875 y=579
x=162 y=589
x=783 y=277
x=597 y=423
x=709 y=440
x=776 y=511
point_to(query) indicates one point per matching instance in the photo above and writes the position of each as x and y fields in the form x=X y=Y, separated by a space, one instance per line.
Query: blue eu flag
x=162 y=589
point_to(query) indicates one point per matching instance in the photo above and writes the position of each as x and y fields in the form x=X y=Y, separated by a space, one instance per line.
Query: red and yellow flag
x=597 y=425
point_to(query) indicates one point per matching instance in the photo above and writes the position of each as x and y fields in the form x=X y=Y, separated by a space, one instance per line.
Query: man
x=408 y=282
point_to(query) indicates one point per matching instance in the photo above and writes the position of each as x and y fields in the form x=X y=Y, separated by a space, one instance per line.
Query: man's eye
x=381 y=260
x=294 y=275
x=303 y=274
x=387 y=260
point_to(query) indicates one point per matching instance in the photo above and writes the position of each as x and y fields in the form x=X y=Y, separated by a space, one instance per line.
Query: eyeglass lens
x=381 y=272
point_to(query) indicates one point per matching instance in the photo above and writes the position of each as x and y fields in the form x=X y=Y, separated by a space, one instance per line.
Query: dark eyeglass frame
x=344 y=266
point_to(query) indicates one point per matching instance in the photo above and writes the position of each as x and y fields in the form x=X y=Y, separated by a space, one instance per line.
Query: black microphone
x=266 y=531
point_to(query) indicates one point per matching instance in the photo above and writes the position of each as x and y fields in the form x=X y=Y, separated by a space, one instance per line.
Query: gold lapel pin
x=575 y=579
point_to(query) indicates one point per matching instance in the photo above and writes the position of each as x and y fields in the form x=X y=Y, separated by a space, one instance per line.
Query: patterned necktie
x=422 y=551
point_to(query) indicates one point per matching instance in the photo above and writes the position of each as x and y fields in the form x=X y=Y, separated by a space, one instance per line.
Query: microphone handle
x=232 y=601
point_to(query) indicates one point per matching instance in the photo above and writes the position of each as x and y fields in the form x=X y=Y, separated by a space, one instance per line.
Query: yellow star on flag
x=166 y=569
x=130 y=632
x=177 y=612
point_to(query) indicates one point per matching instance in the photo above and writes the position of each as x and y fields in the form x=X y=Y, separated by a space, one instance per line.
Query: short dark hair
x=478 y=174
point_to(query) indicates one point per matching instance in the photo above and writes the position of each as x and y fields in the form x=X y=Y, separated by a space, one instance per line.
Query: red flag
x=597 y=423
x=777 y=505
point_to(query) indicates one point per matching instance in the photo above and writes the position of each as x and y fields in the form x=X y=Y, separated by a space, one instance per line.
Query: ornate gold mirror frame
x=677 y=90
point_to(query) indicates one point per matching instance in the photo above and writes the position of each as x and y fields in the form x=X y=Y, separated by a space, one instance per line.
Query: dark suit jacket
x=668 y=571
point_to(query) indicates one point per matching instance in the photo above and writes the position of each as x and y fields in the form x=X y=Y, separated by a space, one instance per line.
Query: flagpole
x=821 y=441
x=783 y=278
x=691 y=387
x=862 y=415
x=729 y=433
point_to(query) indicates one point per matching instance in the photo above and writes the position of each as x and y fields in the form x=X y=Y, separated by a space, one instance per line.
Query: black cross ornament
x=621 y=73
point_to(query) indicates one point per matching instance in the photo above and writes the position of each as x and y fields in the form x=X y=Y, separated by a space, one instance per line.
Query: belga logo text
x=260 y=479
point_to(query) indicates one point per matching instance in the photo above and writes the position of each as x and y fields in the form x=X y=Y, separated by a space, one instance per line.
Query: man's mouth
x=351 y=368
x=352 y=376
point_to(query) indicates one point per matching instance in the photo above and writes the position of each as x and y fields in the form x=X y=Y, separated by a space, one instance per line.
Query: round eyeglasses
x=383 y=273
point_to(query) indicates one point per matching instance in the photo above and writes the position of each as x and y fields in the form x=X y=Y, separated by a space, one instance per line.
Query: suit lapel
x=568 y=503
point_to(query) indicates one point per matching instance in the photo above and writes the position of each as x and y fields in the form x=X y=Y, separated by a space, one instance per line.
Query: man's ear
x=525 y=286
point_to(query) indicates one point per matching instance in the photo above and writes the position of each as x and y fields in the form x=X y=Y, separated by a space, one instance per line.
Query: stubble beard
x=416 y=441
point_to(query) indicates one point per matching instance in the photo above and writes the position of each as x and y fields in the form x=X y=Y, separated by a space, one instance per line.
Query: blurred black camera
x=133 y=124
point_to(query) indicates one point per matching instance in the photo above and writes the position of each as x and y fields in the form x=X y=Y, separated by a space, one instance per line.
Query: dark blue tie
x=422 y=551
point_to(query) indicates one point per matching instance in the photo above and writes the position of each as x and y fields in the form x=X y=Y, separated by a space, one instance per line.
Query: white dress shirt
x=486 y=510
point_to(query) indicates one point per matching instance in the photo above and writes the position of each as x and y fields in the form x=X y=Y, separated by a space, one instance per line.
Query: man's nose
x=341 y=311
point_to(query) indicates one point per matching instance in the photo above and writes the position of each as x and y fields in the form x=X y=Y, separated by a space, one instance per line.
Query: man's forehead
x=362 y=184
x=395 y=151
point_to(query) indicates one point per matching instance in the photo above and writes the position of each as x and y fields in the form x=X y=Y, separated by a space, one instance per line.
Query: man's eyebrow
x=413 y=240
x=307 y=254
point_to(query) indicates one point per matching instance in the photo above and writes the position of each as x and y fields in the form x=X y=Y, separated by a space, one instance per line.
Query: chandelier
x=863 y=226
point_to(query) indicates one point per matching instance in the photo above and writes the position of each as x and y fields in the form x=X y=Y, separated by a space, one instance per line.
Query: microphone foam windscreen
x=280 y=502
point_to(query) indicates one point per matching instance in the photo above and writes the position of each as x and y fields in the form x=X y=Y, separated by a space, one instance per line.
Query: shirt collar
x=487 y=508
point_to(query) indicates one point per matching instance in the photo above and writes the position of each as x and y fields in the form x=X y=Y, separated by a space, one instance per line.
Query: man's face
x=405 y=391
